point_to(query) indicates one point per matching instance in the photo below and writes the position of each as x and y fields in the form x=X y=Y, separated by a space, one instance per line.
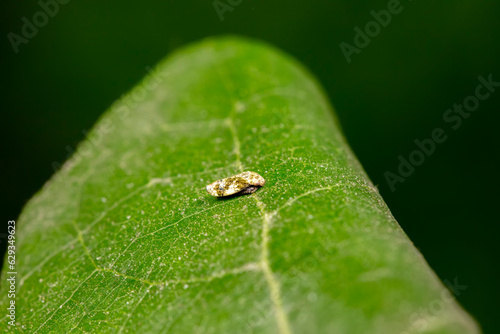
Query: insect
x=243 y=183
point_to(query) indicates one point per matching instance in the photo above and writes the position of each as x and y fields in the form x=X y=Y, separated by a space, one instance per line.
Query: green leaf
x=126 y=239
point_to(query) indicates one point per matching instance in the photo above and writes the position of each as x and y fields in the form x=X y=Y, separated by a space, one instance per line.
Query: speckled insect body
x=243 y=183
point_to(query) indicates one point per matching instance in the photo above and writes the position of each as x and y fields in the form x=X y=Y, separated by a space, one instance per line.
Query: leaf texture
x=125 y=238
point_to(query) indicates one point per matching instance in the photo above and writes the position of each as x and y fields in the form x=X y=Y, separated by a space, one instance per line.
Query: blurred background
x=57 y=78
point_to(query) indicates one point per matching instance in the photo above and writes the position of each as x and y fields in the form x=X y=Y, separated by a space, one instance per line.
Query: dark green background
x=395 y=91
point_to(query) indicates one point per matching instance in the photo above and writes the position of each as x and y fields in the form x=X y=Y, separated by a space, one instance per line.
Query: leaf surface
x=126 y=239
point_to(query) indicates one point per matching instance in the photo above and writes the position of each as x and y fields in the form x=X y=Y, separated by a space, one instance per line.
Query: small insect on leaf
x=243 y=183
